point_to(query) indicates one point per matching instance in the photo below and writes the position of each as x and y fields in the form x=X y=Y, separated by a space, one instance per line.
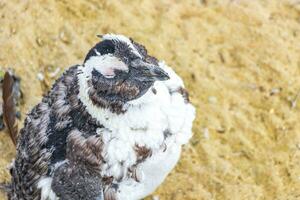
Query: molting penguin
x=111 y=128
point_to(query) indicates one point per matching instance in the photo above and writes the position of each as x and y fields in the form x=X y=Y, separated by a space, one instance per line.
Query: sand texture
x=240 y=60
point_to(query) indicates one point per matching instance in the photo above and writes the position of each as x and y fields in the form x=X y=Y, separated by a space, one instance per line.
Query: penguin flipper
x=78 y=177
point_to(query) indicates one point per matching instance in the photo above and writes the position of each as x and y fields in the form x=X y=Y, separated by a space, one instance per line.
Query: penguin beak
x=148 y=72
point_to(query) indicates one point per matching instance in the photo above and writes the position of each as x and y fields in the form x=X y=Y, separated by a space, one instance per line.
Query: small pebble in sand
x=40 y=76
x=206 y=133
x=155 y=197
x=251 y=86
x=212 y=99
x=298 y=146
x=221 y=130
x=294 y=100
x=39 y=41
x=275 y=91
x=65 y=36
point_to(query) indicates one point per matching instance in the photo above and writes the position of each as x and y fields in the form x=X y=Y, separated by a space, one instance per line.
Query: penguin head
x=119 y=70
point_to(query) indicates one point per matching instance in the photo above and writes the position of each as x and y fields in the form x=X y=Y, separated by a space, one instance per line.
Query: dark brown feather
x=79 y=177
x=9 y=107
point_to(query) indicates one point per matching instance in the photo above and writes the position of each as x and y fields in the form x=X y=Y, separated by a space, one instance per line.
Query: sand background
x=240 y=61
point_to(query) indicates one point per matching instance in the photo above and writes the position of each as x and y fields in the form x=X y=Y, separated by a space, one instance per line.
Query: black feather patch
x=102 y=48
x=79 y=177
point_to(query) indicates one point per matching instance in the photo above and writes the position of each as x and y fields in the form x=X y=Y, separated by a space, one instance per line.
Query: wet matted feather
x=9 y=106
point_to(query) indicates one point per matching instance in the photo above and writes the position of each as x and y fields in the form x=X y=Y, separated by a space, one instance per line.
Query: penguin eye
x=105 y=47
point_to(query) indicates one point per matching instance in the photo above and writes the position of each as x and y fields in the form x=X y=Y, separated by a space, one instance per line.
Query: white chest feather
x=144 y=124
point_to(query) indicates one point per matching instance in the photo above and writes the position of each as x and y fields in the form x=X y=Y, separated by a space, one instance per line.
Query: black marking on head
x=104 y=47
x=118 y=48
x=124 y=52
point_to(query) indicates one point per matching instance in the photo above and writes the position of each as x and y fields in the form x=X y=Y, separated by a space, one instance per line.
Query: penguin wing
x=79 y=176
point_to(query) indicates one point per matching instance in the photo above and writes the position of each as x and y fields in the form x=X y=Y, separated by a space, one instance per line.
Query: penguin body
x=114 y=124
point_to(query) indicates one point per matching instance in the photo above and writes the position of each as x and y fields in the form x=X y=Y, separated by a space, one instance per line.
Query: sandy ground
x=240 y=61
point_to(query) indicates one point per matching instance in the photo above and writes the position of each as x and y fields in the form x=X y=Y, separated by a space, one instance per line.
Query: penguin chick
x=115 y=123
